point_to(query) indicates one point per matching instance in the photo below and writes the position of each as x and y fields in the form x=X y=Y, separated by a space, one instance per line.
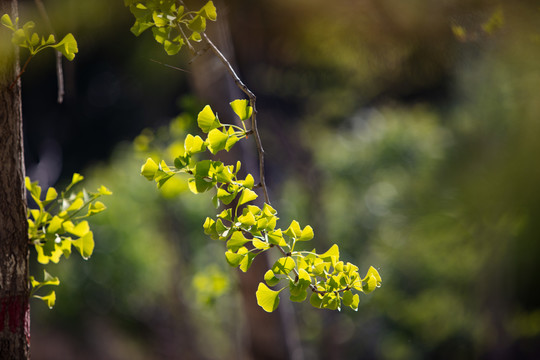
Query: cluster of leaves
x=249 y=230
x=172 y=25
x=25 y=37
x=57 y=225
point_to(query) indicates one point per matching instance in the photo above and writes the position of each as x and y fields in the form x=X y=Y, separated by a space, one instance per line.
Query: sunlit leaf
x=173 y=47
x=259 y=244
x=307 y=234
x=75 y=205
x=242 y=108
x=149 y=169
x=236 y=241
x=194 y=144
x=209 y=227
x=217 y=140
x=271 y=278
x=332 y=254
x=104 y=191
x=249 y=182
x=67 y=46
x=246 y=262
x=197 y=24
x=50 y=299
x=276 y=237
x=207 y=120
x=55 y=225
x=267 y=298
x=294 y=230
x=283 y=265
x=95 y=208
x=209 y=11
x=247 y=196
x=159 y=19
x=85 y=245
x=372 y=280
x=351 y=300
x=247 y=219
x=233 y=258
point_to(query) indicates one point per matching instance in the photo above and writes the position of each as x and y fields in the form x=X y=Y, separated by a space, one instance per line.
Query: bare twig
x=252 y=100
x=23 y=69
x=191 y=48
x=170 y=66
x=59 y=69
x=255 y=130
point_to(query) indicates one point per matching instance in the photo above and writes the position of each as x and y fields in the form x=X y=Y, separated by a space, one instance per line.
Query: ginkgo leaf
x=85 y=245
x=50 y=299
x=207 y=120
x=242 y=109
x=267 y=298
x=247 y=196
x=149 y=169
x=67 y=46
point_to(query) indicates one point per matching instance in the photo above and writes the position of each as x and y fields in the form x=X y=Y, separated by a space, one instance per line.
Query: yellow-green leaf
x=242 y=109
x=209 y=11
x=76 y=205
x=294 y=230
x=67 y=46
x=283 y=265
x=194 y=144
x=80 y=229
x=207 y=120
x=267 y=298
x=50 y=299
x=271 y=278
x=372 y=280
x=51 y=195
x=85 y=245
x=307 y=234
x=104 y=191
x=149 y=169
x=6 y=21
x=247 y=195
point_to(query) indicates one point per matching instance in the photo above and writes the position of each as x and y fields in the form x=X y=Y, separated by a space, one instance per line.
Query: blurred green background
x=406 y=132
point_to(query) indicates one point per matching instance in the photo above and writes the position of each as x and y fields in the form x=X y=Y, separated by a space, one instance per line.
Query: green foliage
x=25 y=37
x=172 y=25
x=246 y=229
x=57 y=225
x=249 y=230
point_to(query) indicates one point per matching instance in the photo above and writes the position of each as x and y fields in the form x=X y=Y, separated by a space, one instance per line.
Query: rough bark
x=14 y=287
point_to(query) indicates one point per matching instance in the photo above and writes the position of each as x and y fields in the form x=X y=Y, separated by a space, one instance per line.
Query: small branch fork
x=23 y=69
x=245 y=90
x=254 y=128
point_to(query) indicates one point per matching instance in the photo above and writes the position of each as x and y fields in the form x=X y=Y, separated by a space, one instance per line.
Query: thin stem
x=255 y=130
x=252 y=101
x=59 y=69
x=72 y=216
x=20 y=73
x=186 y=39
x=169 y=66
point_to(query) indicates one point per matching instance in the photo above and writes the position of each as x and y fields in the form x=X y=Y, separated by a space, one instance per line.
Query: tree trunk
x=14 y=287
